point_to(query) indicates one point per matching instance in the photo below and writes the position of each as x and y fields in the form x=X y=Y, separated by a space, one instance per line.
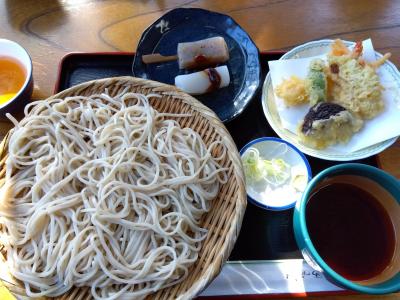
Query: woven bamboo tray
x=224 y=219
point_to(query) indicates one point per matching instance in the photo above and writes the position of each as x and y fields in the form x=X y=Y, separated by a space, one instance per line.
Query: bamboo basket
x=224 y=219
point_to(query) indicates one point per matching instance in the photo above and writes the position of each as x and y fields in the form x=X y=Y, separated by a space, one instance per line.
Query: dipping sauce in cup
x=346 y=224
x=12 y=78
x=16 y=81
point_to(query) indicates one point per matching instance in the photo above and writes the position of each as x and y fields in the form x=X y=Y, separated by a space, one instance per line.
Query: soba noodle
x=106 y=193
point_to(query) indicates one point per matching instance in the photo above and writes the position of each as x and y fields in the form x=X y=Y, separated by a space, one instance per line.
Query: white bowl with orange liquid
x=16 y=81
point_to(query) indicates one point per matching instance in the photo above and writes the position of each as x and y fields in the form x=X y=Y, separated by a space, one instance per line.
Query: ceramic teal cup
x=325 y=192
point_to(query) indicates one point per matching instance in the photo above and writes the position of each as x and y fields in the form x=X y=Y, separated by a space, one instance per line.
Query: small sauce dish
x=276 y=173
x=16 y=81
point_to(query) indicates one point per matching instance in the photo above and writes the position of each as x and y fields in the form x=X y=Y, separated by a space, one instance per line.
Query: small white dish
x=271 y=113
x=285 y=196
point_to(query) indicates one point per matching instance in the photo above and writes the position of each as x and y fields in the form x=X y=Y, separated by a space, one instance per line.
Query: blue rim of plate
x=244 y=60
x=305 y=160
x=360 y=154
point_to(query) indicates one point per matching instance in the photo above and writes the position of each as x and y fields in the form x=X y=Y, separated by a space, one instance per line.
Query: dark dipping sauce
x=350 y=230
x=215 y=79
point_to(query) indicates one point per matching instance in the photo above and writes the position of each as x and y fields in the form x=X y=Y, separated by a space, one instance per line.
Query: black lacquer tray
x=265 y=235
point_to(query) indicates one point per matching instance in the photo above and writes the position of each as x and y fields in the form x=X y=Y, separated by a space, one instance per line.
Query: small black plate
x=192 y=24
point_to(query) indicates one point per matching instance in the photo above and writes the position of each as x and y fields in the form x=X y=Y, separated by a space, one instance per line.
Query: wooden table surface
x=50 y=29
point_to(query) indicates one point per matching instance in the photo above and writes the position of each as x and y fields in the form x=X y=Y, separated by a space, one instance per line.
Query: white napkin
x=384 y=126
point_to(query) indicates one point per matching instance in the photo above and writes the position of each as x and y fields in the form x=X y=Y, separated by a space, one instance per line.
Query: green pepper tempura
x=316 y=82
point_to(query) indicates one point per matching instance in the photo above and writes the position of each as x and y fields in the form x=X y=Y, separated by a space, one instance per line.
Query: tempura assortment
x=343 y=92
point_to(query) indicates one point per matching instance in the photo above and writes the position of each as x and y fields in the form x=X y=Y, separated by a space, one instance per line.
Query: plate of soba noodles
x=118 y=188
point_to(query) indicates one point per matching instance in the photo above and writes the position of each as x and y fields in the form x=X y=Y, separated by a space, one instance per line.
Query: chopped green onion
x=275 y=171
